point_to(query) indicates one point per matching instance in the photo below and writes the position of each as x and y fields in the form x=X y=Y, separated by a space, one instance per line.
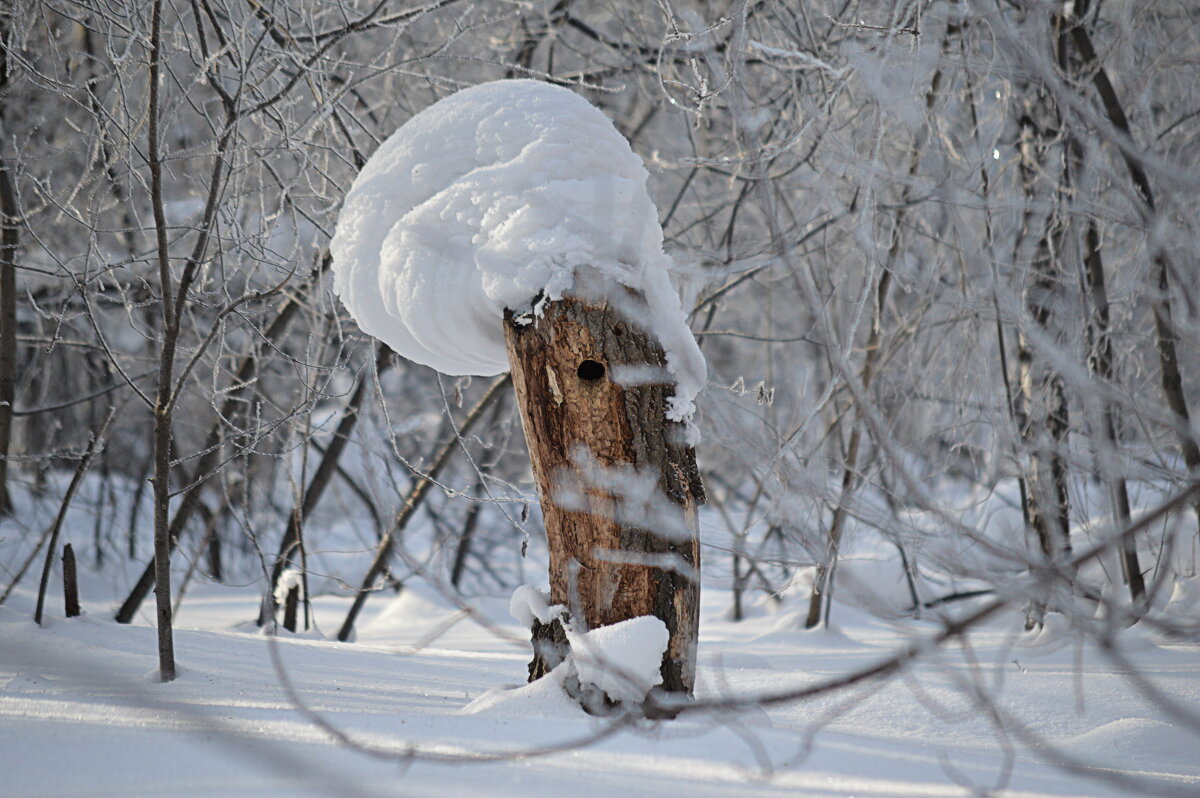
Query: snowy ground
x=81 y=713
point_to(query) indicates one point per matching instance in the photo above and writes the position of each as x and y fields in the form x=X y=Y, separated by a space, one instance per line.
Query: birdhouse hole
x=590 y=370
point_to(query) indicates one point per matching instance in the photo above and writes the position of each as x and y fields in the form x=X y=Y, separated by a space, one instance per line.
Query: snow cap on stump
x=489 y=199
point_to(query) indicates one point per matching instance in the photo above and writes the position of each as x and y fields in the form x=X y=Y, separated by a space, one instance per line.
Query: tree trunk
x=1100 y=349
x=464 y=540
x=1101 y=364
x=1044 y=427
x=607 y=461
x=9 y=241
x=1041 y=406
x=471 y=522
x=822 y=584
x=166 y=363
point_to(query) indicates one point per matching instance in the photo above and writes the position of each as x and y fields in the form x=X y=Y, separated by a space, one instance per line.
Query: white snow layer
x=529 y=604
x=290 y=578
x=484 y=200
x=624 y=660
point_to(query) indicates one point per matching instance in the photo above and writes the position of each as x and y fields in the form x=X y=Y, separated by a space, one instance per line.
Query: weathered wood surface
x=618 y=549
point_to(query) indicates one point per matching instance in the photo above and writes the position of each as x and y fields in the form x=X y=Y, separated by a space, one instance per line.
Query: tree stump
x=291 y=607
x=70 y=583
x=619 y=486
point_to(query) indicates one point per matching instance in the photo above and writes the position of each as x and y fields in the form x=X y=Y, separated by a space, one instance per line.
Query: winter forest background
x=941 y=259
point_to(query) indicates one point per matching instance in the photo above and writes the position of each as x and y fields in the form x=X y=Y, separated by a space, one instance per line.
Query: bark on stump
x=618 y=549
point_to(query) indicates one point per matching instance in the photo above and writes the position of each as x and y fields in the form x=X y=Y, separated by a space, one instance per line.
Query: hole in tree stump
x=590 y=370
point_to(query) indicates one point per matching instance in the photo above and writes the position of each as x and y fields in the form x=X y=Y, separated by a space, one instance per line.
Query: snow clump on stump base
x=619 y=663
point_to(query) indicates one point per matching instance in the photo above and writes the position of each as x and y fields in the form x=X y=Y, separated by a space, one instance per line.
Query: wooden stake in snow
x=70 y=583
x=619 y=487
x=290 y=607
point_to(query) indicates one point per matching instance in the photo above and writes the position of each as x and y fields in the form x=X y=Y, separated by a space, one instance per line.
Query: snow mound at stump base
x=623 y=660
x=487 y=200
